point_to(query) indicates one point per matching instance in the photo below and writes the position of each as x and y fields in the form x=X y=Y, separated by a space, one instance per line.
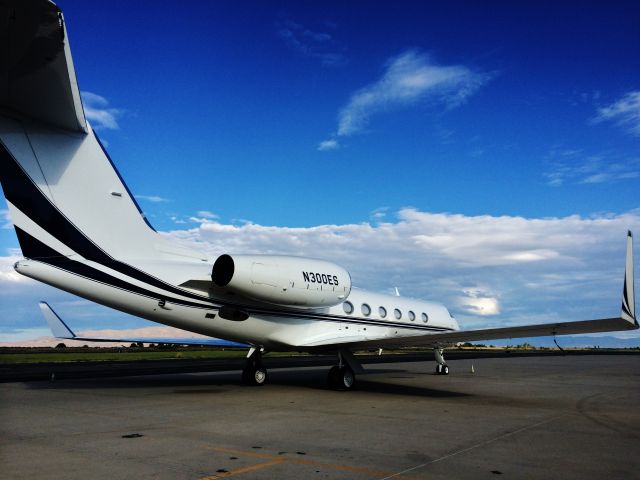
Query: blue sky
x=263 y=117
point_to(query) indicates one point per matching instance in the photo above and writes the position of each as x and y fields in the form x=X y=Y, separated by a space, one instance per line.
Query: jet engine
x=281 y=280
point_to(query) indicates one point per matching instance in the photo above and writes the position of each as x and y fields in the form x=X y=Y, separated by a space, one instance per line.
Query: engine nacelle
x=281 y=280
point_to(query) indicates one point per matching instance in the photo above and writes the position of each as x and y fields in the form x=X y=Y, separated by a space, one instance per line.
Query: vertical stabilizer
x=64 y=194
x=37 y=77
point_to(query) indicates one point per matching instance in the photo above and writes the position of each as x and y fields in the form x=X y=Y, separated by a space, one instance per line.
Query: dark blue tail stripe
x=21 y=191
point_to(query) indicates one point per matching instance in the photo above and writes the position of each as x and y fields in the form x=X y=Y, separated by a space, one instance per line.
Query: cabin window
x=366 y=310
x=412 y=316
x=382 y=312
x=347 y=307
x=397 y=313
x=425 y=317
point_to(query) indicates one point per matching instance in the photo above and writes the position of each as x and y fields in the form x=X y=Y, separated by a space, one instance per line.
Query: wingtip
x=628 y=290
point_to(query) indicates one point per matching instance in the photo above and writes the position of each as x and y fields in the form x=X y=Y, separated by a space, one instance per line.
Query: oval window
x=425 y=317
x=397 y=313
x=366 y=310
x=347 y=307
x=412 y=316
x=382 y=312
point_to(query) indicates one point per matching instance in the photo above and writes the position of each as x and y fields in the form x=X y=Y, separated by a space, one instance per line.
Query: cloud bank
x=489 y=270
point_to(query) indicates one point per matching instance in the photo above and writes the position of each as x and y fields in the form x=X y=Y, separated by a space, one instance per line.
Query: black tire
x=254 y=376
x=341 y=378
x=445 y=369
x=347 y=378
x=334 y=377
x=438 y=369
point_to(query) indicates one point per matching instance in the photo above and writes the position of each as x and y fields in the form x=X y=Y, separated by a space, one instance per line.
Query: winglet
x=57 y=326
x=628 y=292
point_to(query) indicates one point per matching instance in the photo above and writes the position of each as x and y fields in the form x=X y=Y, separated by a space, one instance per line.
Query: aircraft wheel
x=341 y=378
x=254 y=376
x=438 y=369
x=445 y=370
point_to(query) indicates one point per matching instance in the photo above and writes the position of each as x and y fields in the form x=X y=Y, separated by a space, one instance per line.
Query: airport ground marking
x=250 y=468
x=473 y=447
x=279 y=459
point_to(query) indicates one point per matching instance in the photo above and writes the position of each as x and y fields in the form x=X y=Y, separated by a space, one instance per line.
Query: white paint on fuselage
x=276 y=328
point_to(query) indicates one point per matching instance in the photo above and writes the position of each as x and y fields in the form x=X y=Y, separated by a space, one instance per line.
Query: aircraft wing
x=61 y=330
x=626 y=321
x=534 y=330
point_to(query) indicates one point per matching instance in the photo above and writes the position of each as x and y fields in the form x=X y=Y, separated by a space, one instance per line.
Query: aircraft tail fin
x=64 y=194
x=38 y=78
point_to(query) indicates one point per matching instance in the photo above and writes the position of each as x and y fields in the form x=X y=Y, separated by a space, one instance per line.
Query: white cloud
x=153 y=198
x=8 y=275
x=478 y=302
x=625 y=112
x=379 y=214
x=410 y=78
x=178 y=221
x=331 y=144
x=98 y=112
x=207 y=214
x=5 y=219
x=578 y=167
x=312 y=44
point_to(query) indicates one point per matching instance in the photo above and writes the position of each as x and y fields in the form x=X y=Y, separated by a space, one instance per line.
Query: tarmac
x=546 y=417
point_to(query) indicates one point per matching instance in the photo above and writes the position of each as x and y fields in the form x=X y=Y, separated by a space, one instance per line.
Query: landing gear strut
x=254 y=373
x=441 y=366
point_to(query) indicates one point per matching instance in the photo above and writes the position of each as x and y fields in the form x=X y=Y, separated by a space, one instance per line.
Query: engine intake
x=282 y=280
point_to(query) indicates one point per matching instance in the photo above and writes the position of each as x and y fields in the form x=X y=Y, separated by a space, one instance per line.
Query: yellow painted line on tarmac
x=278 y=460
x=250 y=468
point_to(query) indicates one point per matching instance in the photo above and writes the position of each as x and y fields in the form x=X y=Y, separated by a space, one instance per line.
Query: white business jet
x=81 y=230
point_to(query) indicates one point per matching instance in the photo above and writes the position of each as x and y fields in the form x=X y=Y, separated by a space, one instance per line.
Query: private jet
x=81 y=230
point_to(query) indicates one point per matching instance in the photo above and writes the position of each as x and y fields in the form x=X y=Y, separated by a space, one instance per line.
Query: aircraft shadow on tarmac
x=386 y=382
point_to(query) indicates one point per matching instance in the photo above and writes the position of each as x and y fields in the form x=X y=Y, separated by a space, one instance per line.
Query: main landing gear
x=441 y=366
x=254 y=372
x=343 y=375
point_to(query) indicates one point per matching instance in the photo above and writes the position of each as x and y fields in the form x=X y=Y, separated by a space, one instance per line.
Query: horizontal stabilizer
x=57 y=326
x=61 y=330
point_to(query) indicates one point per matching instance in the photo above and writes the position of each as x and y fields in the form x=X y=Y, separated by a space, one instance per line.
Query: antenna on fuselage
x=397 y=291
